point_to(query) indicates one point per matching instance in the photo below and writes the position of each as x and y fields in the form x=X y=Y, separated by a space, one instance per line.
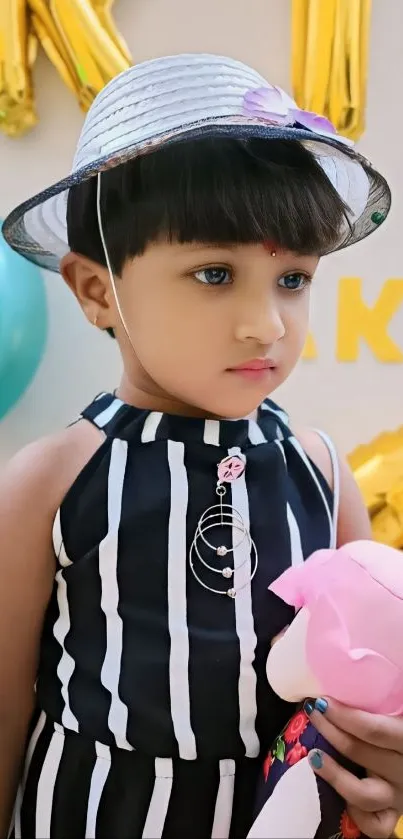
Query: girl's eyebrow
x=209 y=246
x=196 y=246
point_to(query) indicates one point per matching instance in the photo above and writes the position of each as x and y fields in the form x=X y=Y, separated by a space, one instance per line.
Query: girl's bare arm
x=353 y=520
x=31 y=489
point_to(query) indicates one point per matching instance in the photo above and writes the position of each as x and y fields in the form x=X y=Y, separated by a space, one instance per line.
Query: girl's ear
x=90 y=284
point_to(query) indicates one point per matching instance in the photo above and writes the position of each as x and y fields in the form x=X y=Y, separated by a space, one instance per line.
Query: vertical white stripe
x=224 y=802
x=297 y=556
x=304 y=458
x=28 y=757
x=177 y=604
x=46 y=785
x=336 y=484
x=157 y=811
x=105 y=416
x=244 y=621
x=65 y=668
x=255 y=433
x=212 y=432
x=108 y=559
x=150 y=427
x=57 y=538
x=279 y=433
x=277 y=412
x=98 y=781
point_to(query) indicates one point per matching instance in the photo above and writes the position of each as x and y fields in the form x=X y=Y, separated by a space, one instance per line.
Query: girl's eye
x=294 y=282
x=214 y=276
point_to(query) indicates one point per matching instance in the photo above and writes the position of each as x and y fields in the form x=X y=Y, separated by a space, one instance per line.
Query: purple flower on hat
x=271 y=105
x=321 y=125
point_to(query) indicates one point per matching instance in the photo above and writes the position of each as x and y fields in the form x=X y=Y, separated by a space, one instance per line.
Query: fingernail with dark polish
x=308 y=707
x=315 y=759
x=321 y=705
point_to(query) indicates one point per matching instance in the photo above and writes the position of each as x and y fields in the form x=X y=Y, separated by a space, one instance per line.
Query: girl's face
x=214 y=329
x=196 y=314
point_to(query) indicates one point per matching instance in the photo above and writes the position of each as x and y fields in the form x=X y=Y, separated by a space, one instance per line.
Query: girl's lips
x=255 y=364
x=255 y=370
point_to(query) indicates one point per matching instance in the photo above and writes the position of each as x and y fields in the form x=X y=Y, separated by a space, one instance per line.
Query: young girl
x=137 y=546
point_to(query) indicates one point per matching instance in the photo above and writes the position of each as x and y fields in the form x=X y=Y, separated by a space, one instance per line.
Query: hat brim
x=37 y=228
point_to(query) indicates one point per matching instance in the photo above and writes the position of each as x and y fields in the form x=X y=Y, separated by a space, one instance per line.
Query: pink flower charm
x=230 y=469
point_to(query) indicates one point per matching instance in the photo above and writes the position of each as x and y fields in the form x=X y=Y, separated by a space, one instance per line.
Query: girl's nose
x=263 y=325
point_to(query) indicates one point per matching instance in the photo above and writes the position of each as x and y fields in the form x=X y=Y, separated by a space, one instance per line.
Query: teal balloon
x=23 y=325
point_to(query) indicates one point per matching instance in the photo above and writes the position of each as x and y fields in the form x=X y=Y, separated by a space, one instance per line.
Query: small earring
x=95 y=320
x=273 y=253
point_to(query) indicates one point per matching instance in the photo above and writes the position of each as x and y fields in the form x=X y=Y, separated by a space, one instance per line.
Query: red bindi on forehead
x=271 y=247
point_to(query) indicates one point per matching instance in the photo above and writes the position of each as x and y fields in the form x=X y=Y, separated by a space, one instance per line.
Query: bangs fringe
x=218 y=191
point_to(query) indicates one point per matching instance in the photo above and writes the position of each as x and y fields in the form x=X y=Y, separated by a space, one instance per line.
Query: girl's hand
x=372 y=741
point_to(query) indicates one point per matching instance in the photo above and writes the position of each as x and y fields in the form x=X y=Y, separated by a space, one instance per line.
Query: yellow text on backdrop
x=357 y=321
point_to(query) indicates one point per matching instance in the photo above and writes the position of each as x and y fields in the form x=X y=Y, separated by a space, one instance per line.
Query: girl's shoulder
x=32 y=486
x=43 y=471
x=321 y=451
x=352 y=516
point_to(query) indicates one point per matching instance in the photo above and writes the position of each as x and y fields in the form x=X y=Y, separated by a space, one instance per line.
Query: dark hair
x=209 y=190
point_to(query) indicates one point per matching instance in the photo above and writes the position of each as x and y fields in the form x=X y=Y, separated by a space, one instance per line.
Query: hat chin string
x=107 y=260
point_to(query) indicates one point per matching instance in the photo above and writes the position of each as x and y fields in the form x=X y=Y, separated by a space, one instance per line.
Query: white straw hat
x=186 y=97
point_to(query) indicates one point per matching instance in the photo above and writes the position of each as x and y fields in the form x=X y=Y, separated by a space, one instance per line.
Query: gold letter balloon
x=378 y=470
x=78 y=36
x=330 y=60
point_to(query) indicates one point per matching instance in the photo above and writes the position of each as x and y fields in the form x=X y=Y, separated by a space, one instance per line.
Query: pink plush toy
x=346 y=642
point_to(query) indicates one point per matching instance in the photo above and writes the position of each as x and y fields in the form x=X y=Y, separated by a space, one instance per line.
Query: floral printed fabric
x=295 y=741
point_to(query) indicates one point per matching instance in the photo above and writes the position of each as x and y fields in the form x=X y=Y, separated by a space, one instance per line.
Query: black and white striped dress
x=153 y=703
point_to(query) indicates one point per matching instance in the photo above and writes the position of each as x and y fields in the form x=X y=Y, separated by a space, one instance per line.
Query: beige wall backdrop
x=351 y=401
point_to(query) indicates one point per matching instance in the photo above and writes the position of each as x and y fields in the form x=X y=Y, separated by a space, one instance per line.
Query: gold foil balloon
x=103 y=9
x=330 y=60
x=378 y=469
x=17 y=53
x=78 y=36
